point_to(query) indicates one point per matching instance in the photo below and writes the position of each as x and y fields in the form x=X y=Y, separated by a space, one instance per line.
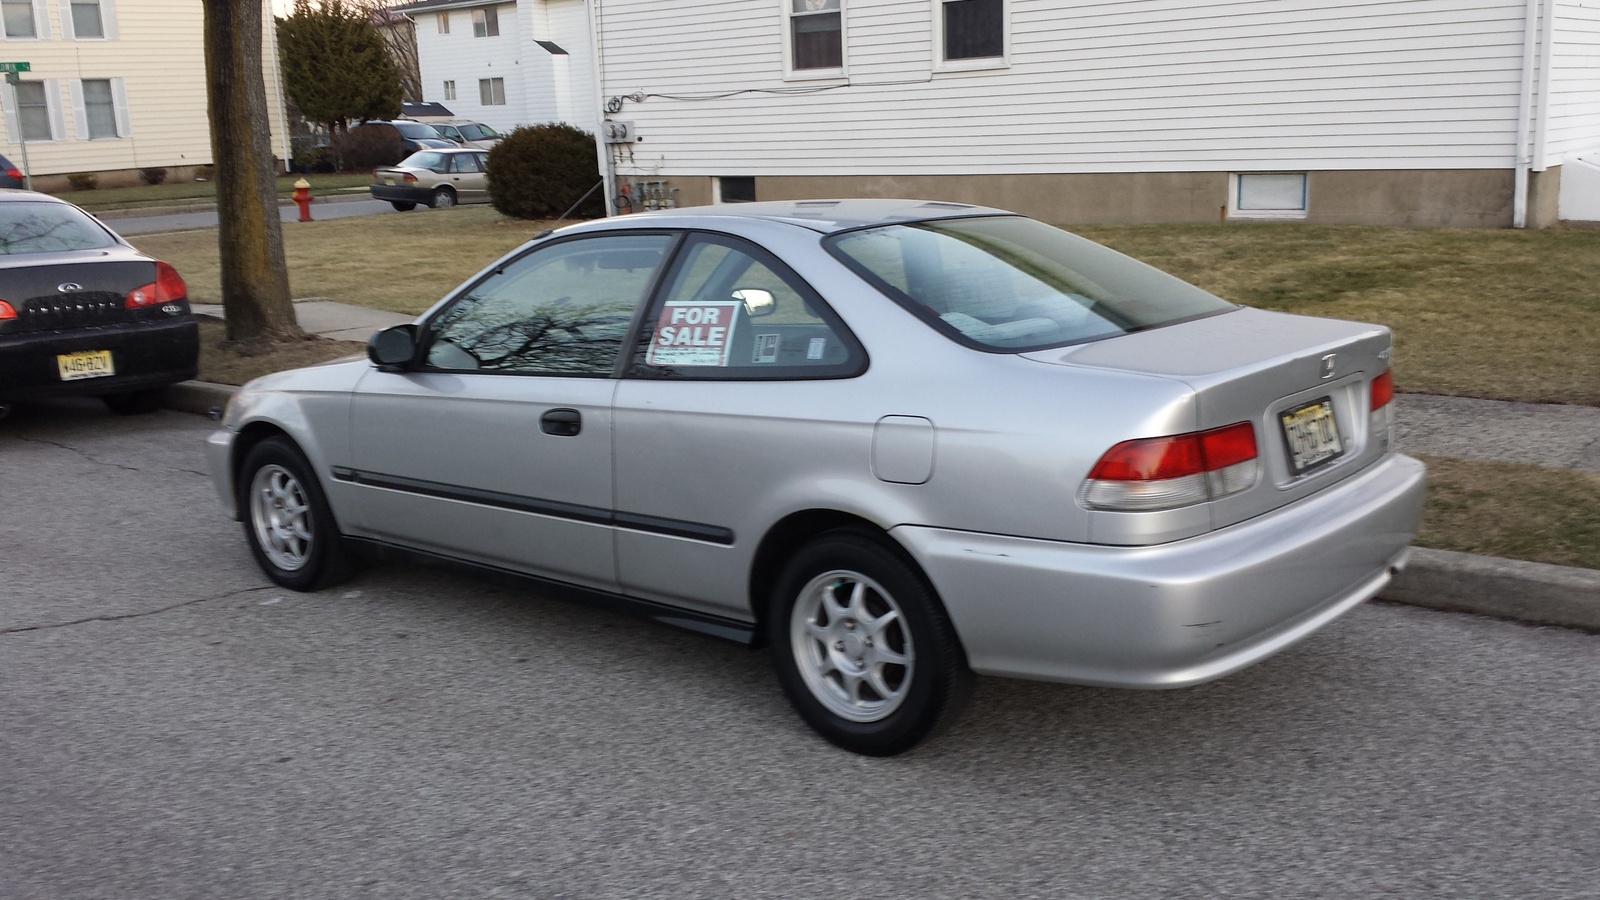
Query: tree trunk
x=255 y=280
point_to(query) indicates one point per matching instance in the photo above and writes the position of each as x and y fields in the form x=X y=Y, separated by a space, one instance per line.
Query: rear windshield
x=49 y=228
x=1010 y=283
x=431 y=160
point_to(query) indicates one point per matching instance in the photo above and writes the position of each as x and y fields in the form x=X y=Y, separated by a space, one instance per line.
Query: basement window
x=736 y=189
x=1268 y=195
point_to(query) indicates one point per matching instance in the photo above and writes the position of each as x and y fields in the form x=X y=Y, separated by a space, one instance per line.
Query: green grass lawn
x=177 y=193
x=1512 y=510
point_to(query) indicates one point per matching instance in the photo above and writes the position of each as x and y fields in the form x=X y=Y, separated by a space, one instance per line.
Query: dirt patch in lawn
x=223 y=364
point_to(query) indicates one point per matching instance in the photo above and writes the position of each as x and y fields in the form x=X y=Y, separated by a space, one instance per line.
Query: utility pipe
x=596 y=72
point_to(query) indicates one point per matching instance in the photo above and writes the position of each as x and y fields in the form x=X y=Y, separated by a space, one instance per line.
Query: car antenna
x=552 y=229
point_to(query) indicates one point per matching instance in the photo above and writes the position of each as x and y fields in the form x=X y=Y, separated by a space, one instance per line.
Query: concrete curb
x=178 y=209
x=1536 y=593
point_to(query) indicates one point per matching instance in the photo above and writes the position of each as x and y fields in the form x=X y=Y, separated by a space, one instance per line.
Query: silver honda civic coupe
x=899 y=442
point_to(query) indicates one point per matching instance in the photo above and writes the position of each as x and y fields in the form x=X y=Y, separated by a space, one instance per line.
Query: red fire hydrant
x=302 y=196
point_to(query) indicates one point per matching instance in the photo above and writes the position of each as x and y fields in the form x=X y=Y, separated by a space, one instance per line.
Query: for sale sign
x=693 y=333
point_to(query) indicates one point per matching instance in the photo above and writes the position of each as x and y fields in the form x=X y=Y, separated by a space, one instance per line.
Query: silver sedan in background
x=900 y=442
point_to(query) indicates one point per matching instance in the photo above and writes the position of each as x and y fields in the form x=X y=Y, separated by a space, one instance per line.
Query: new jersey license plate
x=88 y=364
x=1312 y=435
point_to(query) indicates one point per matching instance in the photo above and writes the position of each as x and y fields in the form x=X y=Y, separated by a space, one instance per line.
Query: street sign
x=9 y=67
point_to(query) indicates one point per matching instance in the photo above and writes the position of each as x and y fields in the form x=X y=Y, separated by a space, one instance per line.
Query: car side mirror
x=757 y=303
x=393 y=349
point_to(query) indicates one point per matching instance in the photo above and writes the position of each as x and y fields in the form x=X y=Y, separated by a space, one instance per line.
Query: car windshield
x=1010 y=283
x=416 y=130
x=432 y=160
x=48 y=228
x=476 y=132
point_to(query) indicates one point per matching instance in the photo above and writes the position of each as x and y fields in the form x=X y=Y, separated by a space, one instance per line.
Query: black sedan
x=82 y=312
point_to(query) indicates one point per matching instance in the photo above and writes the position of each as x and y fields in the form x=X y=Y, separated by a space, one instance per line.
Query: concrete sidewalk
x=1552 y=435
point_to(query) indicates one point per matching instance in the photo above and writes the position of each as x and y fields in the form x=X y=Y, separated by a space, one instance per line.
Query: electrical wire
x=614 y=104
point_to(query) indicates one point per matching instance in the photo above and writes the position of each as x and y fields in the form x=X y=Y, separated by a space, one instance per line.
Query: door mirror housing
x=757 y=302
x=393 y=349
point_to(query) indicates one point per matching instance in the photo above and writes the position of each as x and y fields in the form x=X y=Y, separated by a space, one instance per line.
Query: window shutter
x=8 y=102
x=80 y=112
x=52 y=101
x=108 y=18
x=119 y=101
x=41 y=19
x=67 y=31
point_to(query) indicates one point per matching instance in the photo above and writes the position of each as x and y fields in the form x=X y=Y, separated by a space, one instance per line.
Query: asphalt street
x=343 y=209
x=171 y=726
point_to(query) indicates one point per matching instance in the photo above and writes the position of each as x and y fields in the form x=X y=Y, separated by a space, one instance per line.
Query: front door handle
x=561 y=422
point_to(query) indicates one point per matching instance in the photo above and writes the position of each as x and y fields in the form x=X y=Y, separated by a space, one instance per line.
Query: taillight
x=1380 y=419
x=167 y=287
x=409 y=178
x=14 y=172
x=1169 y=472
x=6 y=312
x=1382 y=389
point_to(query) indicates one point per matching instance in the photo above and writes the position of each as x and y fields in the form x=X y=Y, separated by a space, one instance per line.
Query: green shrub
x=83 y=181
x=538 y=172
x=156 y=175
x=313 y=159
x=368 y=146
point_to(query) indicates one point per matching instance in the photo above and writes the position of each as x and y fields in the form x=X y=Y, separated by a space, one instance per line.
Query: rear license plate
x=389 y=182
x=1312 y=435
x=89 y=364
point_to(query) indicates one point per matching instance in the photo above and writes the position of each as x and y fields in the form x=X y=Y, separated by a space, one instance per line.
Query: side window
x=732 y=311
x=464 y=162
x=563 y=309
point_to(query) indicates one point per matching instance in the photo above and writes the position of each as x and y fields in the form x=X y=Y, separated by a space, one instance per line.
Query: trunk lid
x=82 y=289
x=1255 y=366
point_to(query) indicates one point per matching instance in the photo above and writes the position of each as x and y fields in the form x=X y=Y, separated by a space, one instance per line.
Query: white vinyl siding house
x=1403 y=111
x=540 y=56
x=115 y=87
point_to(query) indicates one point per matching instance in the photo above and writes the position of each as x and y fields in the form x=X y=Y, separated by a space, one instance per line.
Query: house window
x=18 y=17
x=444 y=22
x=33 y=111
x=492 y=91
x=87 y=21
x=1269 y=195
x=973 y=29
x=99 y=109
x=816 y=28
x=449 y=90
x=486 y=22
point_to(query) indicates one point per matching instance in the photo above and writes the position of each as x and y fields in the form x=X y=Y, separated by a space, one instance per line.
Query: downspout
x=1519 y=190
x=596 y=72
x=1541 y=122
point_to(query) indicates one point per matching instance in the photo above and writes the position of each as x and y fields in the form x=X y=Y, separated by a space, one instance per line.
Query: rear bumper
x=401 y=193
x=143 y=355
x=1176 y=614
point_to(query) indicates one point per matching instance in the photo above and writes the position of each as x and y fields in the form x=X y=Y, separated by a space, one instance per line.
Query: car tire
x=135 y=403
x=443 y=198
x=862 y=646
x=287 y=520
x=402 y=206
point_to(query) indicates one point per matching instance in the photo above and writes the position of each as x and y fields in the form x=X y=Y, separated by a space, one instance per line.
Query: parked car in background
x=416 y=136
x=436 y=178
x=83 y=312
x=467 y=133
x=898 y=442
x=10 y=175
